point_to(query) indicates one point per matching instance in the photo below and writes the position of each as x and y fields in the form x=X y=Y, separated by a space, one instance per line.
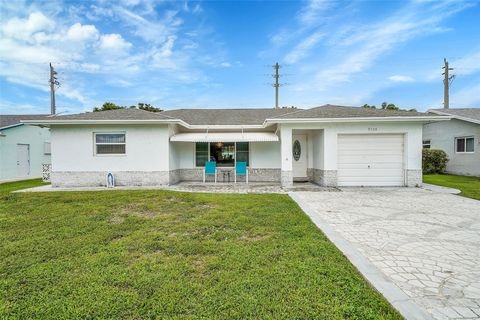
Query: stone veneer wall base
x=98 y=178
x=414 y=178
x=287 y=179
x=254 y=175
x=326 y=178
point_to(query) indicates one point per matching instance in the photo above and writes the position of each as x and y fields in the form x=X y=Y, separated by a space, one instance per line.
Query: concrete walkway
x=418 y=247
x=241 y=187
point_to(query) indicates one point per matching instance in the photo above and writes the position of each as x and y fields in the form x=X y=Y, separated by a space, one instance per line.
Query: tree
x=148 y=107
x=112 y=106
x=389 y=106
x=108 y=106
x=367 y=106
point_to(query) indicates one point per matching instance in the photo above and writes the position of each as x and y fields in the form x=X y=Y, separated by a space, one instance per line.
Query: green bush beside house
x=434 y=161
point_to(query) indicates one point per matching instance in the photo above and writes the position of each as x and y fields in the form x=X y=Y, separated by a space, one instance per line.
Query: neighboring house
x=328 y=145
x=459 y=138
x=23 y=148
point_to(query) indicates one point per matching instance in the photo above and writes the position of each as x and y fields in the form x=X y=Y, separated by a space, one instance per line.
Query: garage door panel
x=370 y=160
x=381 y=158
x=373 y=173
x=364 y=166
x=361 y=150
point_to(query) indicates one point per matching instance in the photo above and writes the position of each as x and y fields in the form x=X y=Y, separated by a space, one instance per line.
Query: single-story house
x=459 y=138
x=329 y=145
x=23 y=148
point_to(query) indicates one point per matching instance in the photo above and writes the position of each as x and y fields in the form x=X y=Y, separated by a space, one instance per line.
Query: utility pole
x=276 y=84
x=446 y=84
x=53 y=82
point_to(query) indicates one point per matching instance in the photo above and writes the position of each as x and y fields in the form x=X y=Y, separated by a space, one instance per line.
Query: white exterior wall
x=317 y=150
x=35 y=137
x=265 y=155
x=442 y=136
x=147 y=149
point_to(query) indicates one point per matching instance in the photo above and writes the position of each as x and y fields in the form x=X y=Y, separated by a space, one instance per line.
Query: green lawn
x=470 y=186
x=159 y=254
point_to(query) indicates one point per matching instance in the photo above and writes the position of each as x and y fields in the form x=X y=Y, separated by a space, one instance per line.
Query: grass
x=160 y=254
x=470 y=186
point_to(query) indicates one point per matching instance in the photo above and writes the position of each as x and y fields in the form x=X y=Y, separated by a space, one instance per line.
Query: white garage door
x=370 y=160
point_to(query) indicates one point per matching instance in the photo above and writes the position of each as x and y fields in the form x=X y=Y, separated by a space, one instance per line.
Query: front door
x=23 y=160
x=299 y=150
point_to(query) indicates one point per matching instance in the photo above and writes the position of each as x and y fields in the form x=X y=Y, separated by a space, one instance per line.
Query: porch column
x=286 y=153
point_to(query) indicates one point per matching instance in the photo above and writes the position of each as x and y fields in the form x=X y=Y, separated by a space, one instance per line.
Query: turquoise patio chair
x=241 y=170
x=210 y=168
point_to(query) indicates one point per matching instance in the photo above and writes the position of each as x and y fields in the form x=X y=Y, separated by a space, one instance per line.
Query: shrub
x=434 y=161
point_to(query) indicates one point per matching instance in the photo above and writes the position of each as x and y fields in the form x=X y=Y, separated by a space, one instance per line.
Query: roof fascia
x=358 y=119
x=456 y=116
x=83 y=122
x=11 y=126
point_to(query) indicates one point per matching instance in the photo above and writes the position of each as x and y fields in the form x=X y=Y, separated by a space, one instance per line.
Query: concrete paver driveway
x=426 y=243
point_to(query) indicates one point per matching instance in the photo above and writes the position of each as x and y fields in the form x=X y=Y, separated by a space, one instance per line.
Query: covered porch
x=190 y=151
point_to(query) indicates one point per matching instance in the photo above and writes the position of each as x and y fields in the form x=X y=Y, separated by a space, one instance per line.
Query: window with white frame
x=109 y=143
x=426 y=144
x=464 y=145
x=47 y=148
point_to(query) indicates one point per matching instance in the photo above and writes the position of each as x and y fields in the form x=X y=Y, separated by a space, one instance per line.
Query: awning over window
x=225 y=137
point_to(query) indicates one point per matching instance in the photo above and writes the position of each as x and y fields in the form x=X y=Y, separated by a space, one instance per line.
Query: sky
x=219 y=54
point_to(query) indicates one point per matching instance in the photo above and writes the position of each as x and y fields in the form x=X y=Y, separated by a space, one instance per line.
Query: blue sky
x=219 y=53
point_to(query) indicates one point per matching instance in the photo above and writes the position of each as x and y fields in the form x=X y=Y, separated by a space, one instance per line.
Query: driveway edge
x=397 y=298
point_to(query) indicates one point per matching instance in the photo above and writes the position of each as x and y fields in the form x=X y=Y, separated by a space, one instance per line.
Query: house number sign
x=297 y=150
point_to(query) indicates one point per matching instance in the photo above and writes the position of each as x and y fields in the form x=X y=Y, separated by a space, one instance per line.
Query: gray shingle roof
x=226 y=116
x=7 y=120
x=332 y=111
x=247 y=116
x=471 y=113
x=120 y=114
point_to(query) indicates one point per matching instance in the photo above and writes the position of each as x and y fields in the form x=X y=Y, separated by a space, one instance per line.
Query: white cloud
x=114 y=42
x=310 y=13
x=469 y=64
x=364 y=46
x=401 y=78
x=302 y=49
x=23 y=29
x=81 y=33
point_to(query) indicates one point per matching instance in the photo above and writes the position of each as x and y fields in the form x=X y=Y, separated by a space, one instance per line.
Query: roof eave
x=152 y=121
x=358 y=119
x=83 y=122
x=11 y=126
x=453 y=116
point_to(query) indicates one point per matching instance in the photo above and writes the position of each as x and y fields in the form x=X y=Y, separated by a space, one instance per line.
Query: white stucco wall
x=317 y=150
x=147 y=149
x=265 y=155
x=186 y=154
x=442 y=136
x=35 y=137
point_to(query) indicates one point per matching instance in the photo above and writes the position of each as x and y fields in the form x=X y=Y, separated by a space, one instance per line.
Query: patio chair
x=210 y=168
x=241 y=170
